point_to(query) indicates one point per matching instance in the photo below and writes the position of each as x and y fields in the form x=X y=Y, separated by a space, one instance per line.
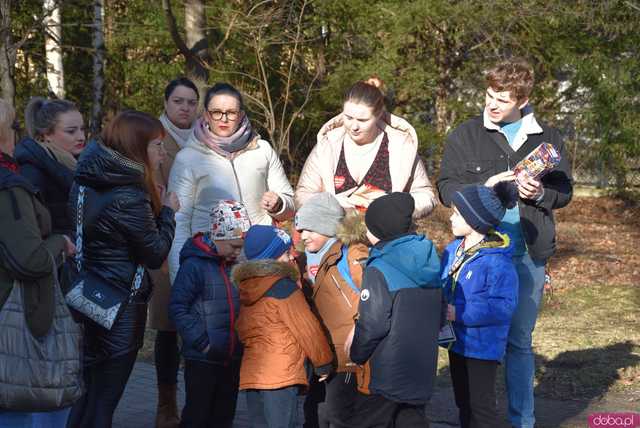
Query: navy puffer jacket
x=205 y=304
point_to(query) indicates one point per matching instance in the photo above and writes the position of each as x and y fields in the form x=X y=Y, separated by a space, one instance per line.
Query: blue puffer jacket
x=485 y=297
x=204 y=304
x=399 y=319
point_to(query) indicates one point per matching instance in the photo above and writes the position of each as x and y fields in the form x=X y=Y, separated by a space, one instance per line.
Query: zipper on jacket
x=232 y=312
x=346 y=299
x=235 y=175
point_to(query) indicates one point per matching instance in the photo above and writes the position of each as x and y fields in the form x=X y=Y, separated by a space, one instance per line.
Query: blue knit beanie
x=483 y=207
x=265 y=242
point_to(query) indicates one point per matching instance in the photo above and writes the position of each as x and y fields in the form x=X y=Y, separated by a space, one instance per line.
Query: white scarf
x=181 y=136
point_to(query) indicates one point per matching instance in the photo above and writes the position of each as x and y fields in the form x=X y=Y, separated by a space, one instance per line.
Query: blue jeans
x=273 y=408
x=53 y=419
x=519 y=359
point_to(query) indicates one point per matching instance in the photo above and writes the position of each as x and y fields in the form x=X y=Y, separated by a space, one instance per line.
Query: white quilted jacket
x=200 y=177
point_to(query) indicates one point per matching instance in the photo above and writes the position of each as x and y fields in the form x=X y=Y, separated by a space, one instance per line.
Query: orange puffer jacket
x=277 y=328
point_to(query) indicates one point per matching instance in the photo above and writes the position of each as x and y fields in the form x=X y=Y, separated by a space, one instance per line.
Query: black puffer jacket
x=120 y=231
x=52 y=179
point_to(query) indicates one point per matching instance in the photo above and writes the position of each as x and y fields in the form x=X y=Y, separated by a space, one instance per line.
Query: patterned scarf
x=226 y=147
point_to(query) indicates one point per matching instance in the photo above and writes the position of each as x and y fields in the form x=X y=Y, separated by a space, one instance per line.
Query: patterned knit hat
x=229 y=220
x=483 y=207
x=266 y=242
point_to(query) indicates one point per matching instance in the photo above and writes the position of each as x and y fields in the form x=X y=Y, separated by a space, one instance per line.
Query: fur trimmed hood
x=254 y=278
x=352 y=229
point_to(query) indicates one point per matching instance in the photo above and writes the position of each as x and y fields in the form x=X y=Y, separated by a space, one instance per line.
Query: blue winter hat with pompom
x=483 y=207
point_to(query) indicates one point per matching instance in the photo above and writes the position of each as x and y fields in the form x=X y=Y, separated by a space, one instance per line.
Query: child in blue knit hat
x=481 y=287
x=277 y=328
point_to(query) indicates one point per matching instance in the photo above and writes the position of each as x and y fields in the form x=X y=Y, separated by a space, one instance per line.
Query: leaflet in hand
x=540 y=161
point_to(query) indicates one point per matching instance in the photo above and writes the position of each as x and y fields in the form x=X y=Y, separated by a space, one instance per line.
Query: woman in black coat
x=47 y=157
x=125 y=224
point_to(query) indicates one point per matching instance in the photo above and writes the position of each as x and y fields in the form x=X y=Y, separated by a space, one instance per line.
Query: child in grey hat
x=335 y=249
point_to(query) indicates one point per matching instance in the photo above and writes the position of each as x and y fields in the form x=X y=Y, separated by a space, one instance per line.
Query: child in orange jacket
x=277 y=328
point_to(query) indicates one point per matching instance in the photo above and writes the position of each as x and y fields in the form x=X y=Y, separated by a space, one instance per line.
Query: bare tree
x=278 y=66
x=196 y=39
x=195 y=49
x=98 y=66
x=279 y=80
x=53 y=51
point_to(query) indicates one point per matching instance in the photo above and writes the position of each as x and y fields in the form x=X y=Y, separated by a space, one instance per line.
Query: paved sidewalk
x=137 y=407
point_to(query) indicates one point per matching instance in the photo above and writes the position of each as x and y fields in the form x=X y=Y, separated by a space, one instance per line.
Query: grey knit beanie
x=322 y=214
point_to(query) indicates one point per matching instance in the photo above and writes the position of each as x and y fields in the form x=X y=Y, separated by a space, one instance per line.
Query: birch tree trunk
x=196 y=39
x=52 y=44
x=98 y=66
x=7 y=54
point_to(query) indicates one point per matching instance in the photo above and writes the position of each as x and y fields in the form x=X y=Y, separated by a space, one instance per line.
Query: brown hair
x=41 y=115
x=129 y=133
x=514 y=75
x=367 y=92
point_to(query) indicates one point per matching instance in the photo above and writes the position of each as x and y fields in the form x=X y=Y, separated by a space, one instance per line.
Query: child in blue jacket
x=204 y=306
x=399 y=314
x=481 y=287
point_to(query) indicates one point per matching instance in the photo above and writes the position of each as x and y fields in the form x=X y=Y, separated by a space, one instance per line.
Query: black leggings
x=167 y=357
x=104 y=385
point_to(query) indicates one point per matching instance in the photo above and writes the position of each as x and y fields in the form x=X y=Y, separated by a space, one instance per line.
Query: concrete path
x=137 y=407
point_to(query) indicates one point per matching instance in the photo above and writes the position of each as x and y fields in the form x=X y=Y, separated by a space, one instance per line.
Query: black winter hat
x=483 y=207
x=390 y=215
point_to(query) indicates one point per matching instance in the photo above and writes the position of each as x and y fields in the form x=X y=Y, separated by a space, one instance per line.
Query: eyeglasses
x=231 y=115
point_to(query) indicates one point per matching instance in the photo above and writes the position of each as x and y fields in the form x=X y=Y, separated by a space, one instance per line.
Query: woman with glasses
x=180 y=110
x=225 y=159
x=47 y=157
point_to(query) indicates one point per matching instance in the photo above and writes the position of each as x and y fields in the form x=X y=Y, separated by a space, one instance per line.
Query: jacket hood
x=352 y=229
x=414 y=256
x=496 y=242
x=196 y=247
x=393 y=125
x=102 y=167
x=254 y=278
x=28 y=151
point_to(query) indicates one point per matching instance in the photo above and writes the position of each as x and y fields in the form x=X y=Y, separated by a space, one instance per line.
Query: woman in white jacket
x=225 y=159
x=364 y=153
